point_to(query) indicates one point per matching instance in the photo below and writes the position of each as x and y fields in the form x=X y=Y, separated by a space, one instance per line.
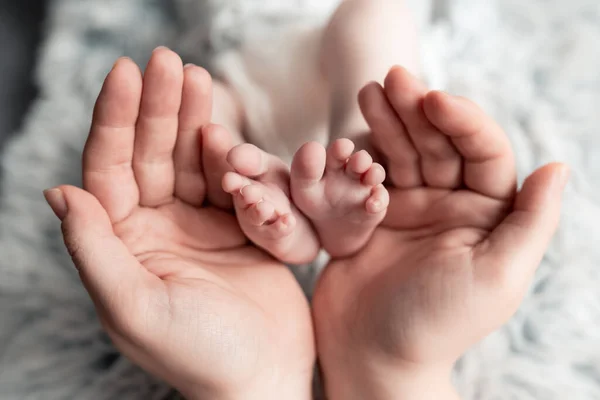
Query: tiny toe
x=374 y=175
x=251 y=194
x=261 y=213
x=234 y=182
x=359 y=163
x=379 y=200
x=285 y=224
x=248 y=160
x=339 y=152
x=308 y=165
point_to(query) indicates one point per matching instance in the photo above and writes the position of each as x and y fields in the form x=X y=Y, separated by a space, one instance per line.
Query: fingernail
x=56 y=201
x=446 y=94
x=120 y=59
x=396 y=67
x=189 y=65
x=159 y=48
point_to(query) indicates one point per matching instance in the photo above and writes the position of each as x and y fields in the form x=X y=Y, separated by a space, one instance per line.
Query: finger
x=438 y=210
x=114 y=278
x=489 y=162
x=514 y=249
x=157 y=128
x=108 y=153
x=216 y=144
x=441 y=165
x=390 y=138
x=195 y=112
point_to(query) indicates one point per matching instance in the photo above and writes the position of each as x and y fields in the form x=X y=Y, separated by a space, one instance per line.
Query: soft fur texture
x=533 y=65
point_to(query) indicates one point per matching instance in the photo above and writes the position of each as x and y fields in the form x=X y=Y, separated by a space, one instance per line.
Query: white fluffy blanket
x=532 y=64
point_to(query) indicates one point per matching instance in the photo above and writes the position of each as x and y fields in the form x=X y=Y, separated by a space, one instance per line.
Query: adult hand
x=453 y=258
x=174 y=281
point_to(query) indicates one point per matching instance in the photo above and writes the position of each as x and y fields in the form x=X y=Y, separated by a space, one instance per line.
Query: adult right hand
x=174 y=281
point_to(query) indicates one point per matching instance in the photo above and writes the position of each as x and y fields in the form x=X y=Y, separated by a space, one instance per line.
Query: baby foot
x=261 y=197
x=340 y=192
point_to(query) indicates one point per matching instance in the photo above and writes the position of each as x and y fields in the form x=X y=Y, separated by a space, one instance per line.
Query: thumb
x=109 y=272
x=516 y=247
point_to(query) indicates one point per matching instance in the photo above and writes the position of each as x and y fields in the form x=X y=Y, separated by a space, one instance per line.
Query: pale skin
x=175 y=283
x=331 y=198
x=183 y=295
x=453 y=258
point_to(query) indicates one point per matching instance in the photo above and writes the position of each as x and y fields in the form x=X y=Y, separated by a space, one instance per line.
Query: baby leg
x=345 y=199
x=362 y=41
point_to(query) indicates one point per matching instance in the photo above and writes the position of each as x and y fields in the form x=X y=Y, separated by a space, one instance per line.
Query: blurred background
x=20 y=33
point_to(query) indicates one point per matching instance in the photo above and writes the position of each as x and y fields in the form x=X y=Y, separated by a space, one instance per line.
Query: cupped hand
x=174 y=281
x=456 y=252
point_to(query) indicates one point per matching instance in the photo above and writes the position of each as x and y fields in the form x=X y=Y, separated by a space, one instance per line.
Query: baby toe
x=374 y=175
x=233 y=182
x=378 y=201
x=248 y=160
x=358 y=164
x=285 y=224
x=338 y=153
x=261 y=213
x=251 y=194
x=308 y=165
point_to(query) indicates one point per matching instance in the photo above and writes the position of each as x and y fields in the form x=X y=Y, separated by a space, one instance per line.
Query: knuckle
x=75 y=248
x=437 y=147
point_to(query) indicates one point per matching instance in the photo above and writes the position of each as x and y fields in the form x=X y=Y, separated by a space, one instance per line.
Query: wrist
x=358 y=381
x=293 y=388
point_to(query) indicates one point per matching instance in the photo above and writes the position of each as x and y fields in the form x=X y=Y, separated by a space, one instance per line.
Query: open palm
x=174 y=281
x=459 y=245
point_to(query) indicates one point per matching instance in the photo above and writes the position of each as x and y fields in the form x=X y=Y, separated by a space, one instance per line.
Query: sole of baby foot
x=260 y=190
x=340 y=192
